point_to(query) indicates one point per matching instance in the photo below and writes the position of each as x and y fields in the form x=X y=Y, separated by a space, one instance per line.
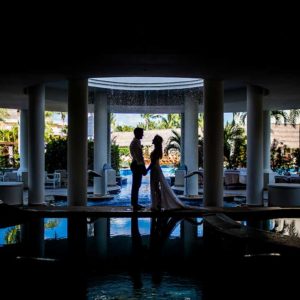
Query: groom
x=137 y=166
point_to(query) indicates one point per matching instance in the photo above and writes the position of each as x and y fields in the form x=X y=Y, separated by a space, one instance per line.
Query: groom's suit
x=138 y=169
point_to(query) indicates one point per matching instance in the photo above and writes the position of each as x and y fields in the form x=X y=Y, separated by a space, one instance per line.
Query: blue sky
x=134 y=119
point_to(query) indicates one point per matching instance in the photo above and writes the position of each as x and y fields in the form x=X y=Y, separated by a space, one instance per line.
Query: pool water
x=119 y=286
x=124 y=197
x=123 y=258
x=133 y=258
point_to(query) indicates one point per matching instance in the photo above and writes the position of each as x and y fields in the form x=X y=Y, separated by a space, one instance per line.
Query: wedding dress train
x=162 y=196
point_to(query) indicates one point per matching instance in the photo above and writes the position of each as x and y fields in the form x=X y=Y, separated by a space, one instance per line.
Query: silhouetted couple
x=162 y=196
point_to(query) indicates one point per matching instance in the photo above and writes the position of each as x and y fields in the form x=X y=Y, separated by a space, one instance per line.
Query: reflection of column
x=188 y=235
x=136 y=253
x=100 y=142
x=32 y=236
x=77 y=238
x=77 y=142
x=101 y=235
x=36 y=147
x=260 y=224
x=254 y=145
x=213 y=142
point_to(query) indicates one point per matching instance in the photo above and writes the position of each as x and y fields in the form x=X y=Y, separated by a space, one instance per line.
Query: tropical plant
x=115 y=156
x=56 y=154
x=287 y=117
x=234 y=145
x=51 y=223
x=201 y=122
x=173 y=143
x=170 y=121
x=296 y=155
x=294 y=115
x=124 y=128
x=113 y=121
x=281 y=156
x=12 y=235
x=4 y=114
x=149 y=122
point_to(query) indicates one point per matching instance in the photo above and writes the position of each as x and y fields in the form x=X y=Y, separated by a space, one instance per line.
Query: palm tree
x=3 y=114
x=113 y=121
x=63 y=117
x=147 y=118
x=294 y=116
x=173 y=144
x=234 y=143
x=201 y=122
x=278 y=115
x=171 y=121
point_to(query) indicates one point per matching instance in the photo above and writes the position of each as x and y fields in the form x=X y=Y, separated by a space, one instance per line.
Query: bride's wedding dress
x=162 y=195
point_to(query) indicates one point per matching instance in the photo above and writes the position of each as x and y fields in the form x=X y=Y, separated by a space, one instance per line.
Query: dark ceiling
x=255 y=50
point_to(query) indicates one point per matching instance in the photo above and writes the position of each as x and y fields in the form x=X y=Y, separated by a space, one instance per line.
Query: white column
x=182 y=140
x=108 y=139
x=23 y=141
x=254 y=145
x=77 y=141
x=213 y=142
x=36 y=147
x=100 y=142
x=267 y=155
x=191 y=105
x=267 y=134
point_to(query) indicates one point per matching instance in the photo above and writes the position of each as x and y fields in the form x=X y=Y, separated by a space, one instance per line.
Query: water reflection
x=284 y=226
x=101 y=258
x=290 y=227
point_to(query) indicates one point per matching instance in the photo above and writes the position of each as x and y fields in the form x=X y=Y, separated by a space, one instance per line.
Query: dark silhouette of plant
x=281 y=156
x=56 y=154
x=296 y=154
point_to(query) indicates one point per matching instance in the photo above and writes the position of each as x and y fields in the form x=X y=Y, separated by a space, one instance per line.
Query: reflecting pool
x=132 y=258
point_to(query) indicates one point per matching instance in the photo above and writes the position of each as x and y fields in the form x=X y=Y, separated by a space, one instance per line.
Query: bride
x=162 y=196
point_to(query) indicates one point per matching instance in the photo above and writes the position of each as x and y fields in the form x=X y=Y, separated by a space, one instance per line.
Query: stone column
x=23 y=146
x=23 y=140
x=268 y=174
x=36 y=146
x=254 y=145
x=100 y=142
x=191 y=106
x=108 y=139
x=213 y=142
x=77 y=142
x=182 y=141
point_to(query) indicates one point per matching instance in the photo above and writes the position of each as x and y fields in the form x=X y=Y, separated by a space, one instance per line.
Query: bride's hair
x=157 y=142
